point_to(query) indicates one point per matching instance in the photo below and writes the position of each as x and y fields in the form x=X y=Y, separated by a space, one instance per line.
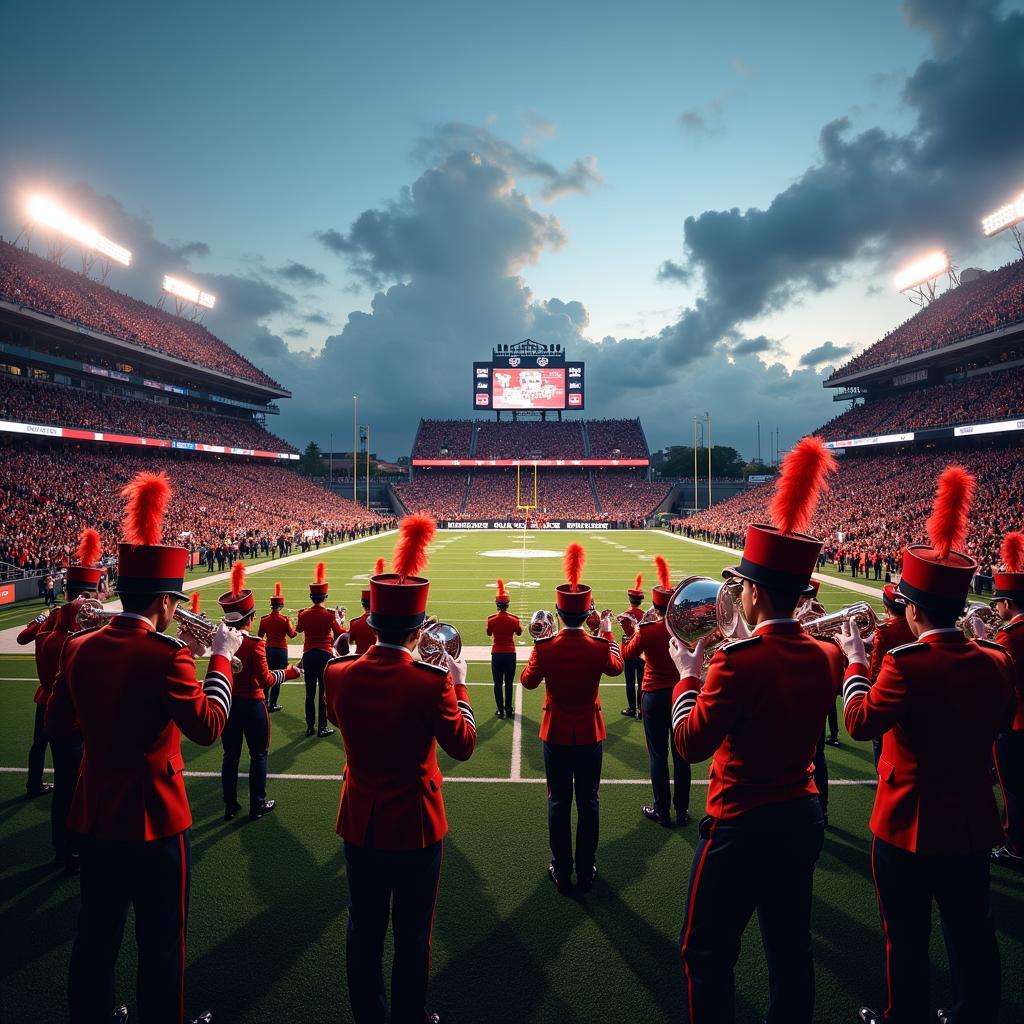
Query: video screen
x=528 y=388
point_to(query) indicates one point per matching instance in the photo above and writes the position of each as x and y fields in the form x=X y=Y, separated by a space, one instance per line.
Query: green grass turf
x=266 y=934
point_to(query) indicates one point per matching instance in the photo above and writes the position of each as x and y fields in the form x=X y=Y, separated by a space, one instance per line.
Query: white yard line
x=516 y=773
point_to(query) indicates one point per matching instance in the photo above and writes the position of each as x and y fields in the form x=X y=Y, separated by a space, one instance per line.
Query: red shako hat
x=663 y=591
x=398 y=599
x=501 y=599
x=145 y=567
x=1010 y=582
x=318 y=588
x=936 y=576
x=636 y=593
x=85 y=573
x=277 y=598
x=782 y=557
x=238 y=602
x=573 y=597
x=892 y=600
x=364 y=595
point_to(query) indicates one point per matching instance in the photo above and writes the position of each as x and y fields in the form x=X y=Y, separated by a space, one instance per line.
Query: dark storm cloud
x=827 y=352
x=755 y=346
x=299 y=273
x=670 y=270
x=296 y=332
x=315 y=318
x=186 y=250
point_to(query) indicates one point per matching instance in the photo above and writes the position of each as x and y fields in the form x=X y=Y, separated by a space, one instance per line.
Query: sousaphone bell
x=437 y=640
x=701 y=608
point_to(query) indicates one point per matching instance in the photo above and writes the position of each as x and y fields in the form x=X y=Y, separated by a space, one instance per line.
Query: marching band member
x=650 y=639
x=633 y=668
x=33 y=633
x=760 y=712
x=134 y=691
x=938 y=704
x=318 y=626
x=277 y=629
x=570 y=663
x=1009 y=606
x=249 y=717
x=833 y=716
x=361 y=637
x=392 y=712
x=890 y=633
x=503 y=627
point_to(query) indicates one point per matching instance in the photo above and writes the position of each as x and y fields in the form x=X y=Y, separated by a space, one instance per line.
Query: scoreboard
x=528 y=376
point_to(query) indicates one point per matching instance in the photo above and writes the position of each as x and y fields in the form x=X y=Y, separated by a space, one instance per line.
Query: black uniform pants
x=833 y=722
x=821 y=773
x=37 y=752
x=313 y=664
x=1010 y=765
x=67 y=757
x=763 y=861
x=634 y=672
x=153 y=877
x=503 y=675
x=401 y=884
x=657 y=712
x=249 y=718
x=573 y=768
x=906 y=884
x=277 y=658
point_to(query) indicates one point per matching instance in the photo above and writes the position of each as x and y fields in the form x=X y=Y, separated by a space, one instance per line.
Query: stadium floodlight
x=189 y=292
x=1005 y=217
x=922 y=271
x=46 y=212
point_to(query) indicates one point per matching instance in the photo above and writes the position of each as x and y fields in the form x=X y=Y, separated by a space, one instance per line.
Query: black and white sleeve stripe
x=218 y=689
x=684 y=704
x=467 y=713
x=278 y=674
x=854 y=686
x=615 y=648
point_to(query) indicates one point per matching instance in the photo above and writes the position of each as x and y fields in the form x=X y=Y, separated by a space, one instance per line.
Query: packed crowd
x=49 y=493
x=444 y=439
x=529 y=439
x=27 y=401
x=626 y=495
x=560 y=495
x=616 y=439
x=29 y=280
x=995 y=396
x=877 y=504
x=975 y=307
x=437 y=492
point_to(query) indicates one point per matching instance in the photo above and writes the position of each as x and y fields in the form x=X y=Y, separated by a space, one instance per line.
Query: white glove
x=457 y=668
x=298 y=668
x=688 y=663
x=226 y=641
x=853 y=645
x=41 y=617
x=606 y=623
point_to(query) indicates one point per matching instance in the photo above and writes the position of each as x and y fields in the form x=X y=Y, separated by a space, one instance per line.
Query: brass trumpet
x=860 y=615
x=437 y=640
x=979 y=621
x=542 y=624
x=201 y=630
x=339 y=614
x=91 y=613
x=651 y=615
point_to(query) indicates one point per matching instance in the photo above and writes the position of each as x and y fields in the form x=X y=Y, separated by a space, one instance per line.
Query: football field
x=267 y=923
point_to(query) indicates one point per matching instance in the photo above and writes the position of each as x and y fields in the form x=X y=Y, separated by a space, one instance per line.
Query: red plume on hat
x=947 y=525
x=415 y=534
x=379 y=567
x=1013 y=552
x=237 y=578
x=195 y=602
x=664 y=575
x=321 y=573
x=502 y=593
x=90 y=547
x=803 y=480
x=277 y=590
x=148 y=495
x=639 y=583
x=575 y=557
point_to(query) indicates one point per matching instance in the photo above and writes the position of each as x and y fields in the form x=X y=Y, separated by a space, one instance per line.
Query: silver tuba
x=542 y=624
x=979 y=621
x=201 y=630
x=860 y=615
x=701 y=608
x=437 y=640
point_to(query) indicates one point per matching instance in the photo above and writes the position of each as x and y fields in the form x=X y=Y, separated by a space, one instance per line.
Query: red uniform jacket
x=276 y=628
x=134 y=691
x=35 y=631
x=318 y=627
x=392 y=712
x=893 y=632
x=940 y=704
x=636 y=614
x=1011 y=637
x=360 y=636
x=503 y=627
x=651 y=640
x=571 y=664
x=761 y=712
x=50 y=646
x=255 y=676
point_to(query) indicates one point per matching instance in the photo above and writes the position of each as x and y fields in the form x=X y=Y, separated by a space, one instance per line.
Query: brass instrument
x=978 y=621
x=437 y=640
x=91 y=613
x=542 y=624
x=704 y=609
x=339 y=614
x=651 y=615
x=624 y=618
x=200 y=629
x=860 y=615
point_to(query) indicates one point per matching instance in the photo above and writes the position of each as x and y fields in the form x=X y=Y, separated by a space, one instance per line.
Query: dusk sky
x=705 y=202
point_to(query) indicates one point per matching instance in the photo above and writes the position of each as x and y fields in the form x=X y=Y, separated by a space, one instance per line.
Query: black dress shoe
x=310 y=731
x=942 y=1017
x=499 y=713
x=258 y=810
x=833 y=741
x=865 y=1015
x=586 y=883
x=433 y=1018
x=628 y=712
x=325 y=731
x=230 y=810
x=72 y=866
x=119 y=1016
x=1008 y=859
x=274 y=707
x=653 y=815
x=509 y=714
x=561 y=884
x=41 y=790
x=683 y=818
x=203 y=1018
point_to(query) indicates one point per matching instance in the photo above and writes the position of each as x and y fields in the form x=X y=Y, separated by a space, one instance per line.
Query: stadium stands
x=438 y=492
x=26 y=401
x=444 y=439
x=30 y=281
x=529 y=439
x=627 y=495
x=975 y=307
x=560 y=495
x=616 y=439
